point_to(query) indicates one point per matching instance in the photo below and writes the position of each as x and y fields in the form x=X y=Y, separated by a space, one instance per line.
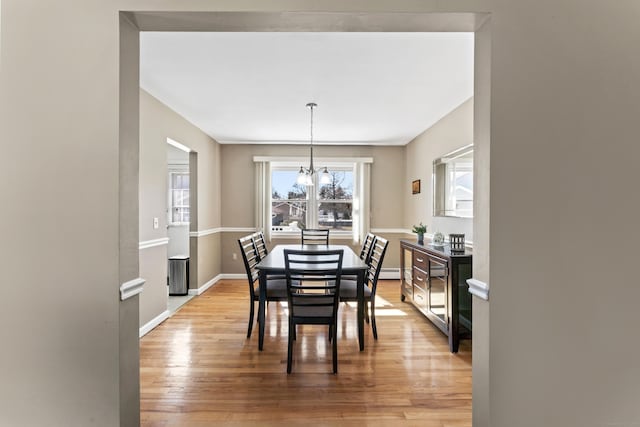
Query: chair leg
x=251 y=309
x=373 y=320
x=366 y=312
x=335 y=347
x=292 y=331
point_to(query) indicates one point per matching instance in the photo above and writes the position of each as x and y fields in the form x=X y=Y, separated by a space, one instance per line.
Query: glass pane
x=284 y=186
x=408 y=266
x=464 y=297
x=179 y=197
x=180 y=180
x=288 y=201
x=335 y=215
x=176 y=215
x=288 y=215
x=438 y=289
x=340 y=187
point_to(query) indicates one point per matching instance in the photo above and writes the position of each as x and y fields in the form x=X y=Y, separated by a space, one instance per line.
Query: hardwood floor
x=199 y=369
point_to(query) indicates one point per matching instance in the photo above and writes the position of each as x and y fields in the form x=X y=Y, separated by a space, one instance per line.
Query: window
x=295 y=206
x=179 y=197
x=283 y=207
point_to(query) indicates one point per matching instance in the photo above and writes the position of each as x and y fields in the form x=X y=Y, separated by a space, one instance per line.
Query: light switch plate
x=156 y=223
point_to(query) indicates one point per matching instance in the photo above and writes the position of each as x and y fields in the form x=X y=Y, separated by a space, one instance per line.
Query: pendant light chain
x=306 y=176
x=311 y=106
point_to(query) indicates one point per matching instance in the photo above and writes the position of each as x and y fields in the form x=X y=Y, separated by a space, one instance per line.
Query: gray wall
x=238 y=191
x=453 y=131
x=157 y=123
x=563 y=95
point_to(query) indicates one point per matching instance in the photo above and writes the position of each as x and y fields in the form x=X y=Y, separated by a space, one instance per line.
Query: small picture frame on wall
x=415 y=186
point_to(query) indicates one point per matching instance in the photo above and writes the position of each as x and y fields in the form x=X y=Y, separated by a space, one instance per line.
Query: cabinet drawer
x=420 y=260
x=420 y=279
x=419 y=297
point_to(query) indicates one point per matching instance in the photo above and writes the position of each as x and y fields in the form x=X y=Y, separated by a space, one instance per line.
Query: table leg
x=361 y=303
x=262 y=285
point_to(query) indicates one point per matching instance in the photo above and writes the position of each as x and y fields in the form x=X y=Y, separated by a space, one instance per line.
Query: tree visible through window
x=336 y=201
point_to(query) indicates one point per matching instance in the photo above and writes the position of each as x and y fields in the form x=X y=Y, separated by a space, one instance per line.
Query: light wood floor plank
x=199 y=369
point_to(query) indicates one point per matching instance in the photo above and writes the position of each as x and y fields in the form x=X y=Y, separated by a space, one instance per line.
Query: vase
x=420 y=239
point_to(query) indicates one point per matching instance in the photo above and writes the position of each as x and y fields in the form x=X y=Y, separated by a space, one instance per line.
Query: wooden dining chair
x=261 y=244
x=276 y=287
x=312 y=236
x=349 y=288
x=364 y=253
x=313 y=291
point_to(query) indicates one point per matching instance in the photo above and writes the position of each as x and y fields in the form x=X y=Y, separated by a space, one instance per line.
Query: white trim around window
x=304 y=161
x=360 y=197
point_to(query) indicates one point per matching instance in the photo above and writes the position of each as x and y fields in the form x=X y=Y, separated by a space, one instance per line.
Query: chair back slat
x=366 y=247
x=260 y=243
x=313 y=279
x=250 y=258
x=378 y=250
x=315 y=236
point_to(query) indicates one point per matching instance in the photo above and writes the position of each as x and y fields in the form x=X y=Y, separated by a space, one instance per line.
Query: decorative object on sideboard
x=420 y=230
x=438 y=239
x=456 y=241
x=415 y=187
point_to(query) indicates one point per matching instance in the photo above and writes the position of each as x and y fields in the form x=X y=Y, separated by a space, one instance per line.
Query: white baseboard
x=233 y=276
x=204 y=287
x=390 y=274
x=154 y=322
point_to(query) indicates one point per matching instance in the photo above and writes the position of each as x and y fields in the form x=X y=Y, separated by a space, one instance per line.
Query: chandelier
x=305 y=176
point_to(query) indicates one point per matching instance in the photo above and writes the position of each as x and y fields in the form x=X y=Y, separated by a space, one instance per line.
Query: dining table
x=273 y=265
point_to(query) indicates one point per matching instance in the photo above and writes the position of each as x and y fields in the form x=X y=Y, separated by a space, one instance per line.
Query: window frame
x=313 y=203
x=177 y=169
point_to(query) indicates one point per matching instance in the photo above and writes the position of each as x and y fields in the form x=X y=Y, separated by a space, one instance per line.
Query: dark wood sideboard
x=434 y=280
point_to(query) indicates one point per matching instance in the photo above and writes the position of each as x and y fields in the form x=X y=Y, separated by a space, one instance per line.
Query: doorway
x=383 y=22
x=178 y=223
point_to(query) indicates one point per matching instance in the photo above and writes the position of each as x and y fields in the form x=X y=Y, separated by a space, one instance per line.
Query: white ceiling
x=371 y=88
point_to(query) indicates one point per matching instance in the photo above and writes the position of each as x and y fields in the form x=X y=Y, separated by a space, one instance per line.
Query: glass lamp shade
x=302 y=177
x=325 y=178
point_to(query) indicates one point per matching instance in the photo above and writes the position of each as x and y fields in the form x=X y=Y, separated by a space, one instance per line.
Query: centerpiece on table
x=420 y=230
